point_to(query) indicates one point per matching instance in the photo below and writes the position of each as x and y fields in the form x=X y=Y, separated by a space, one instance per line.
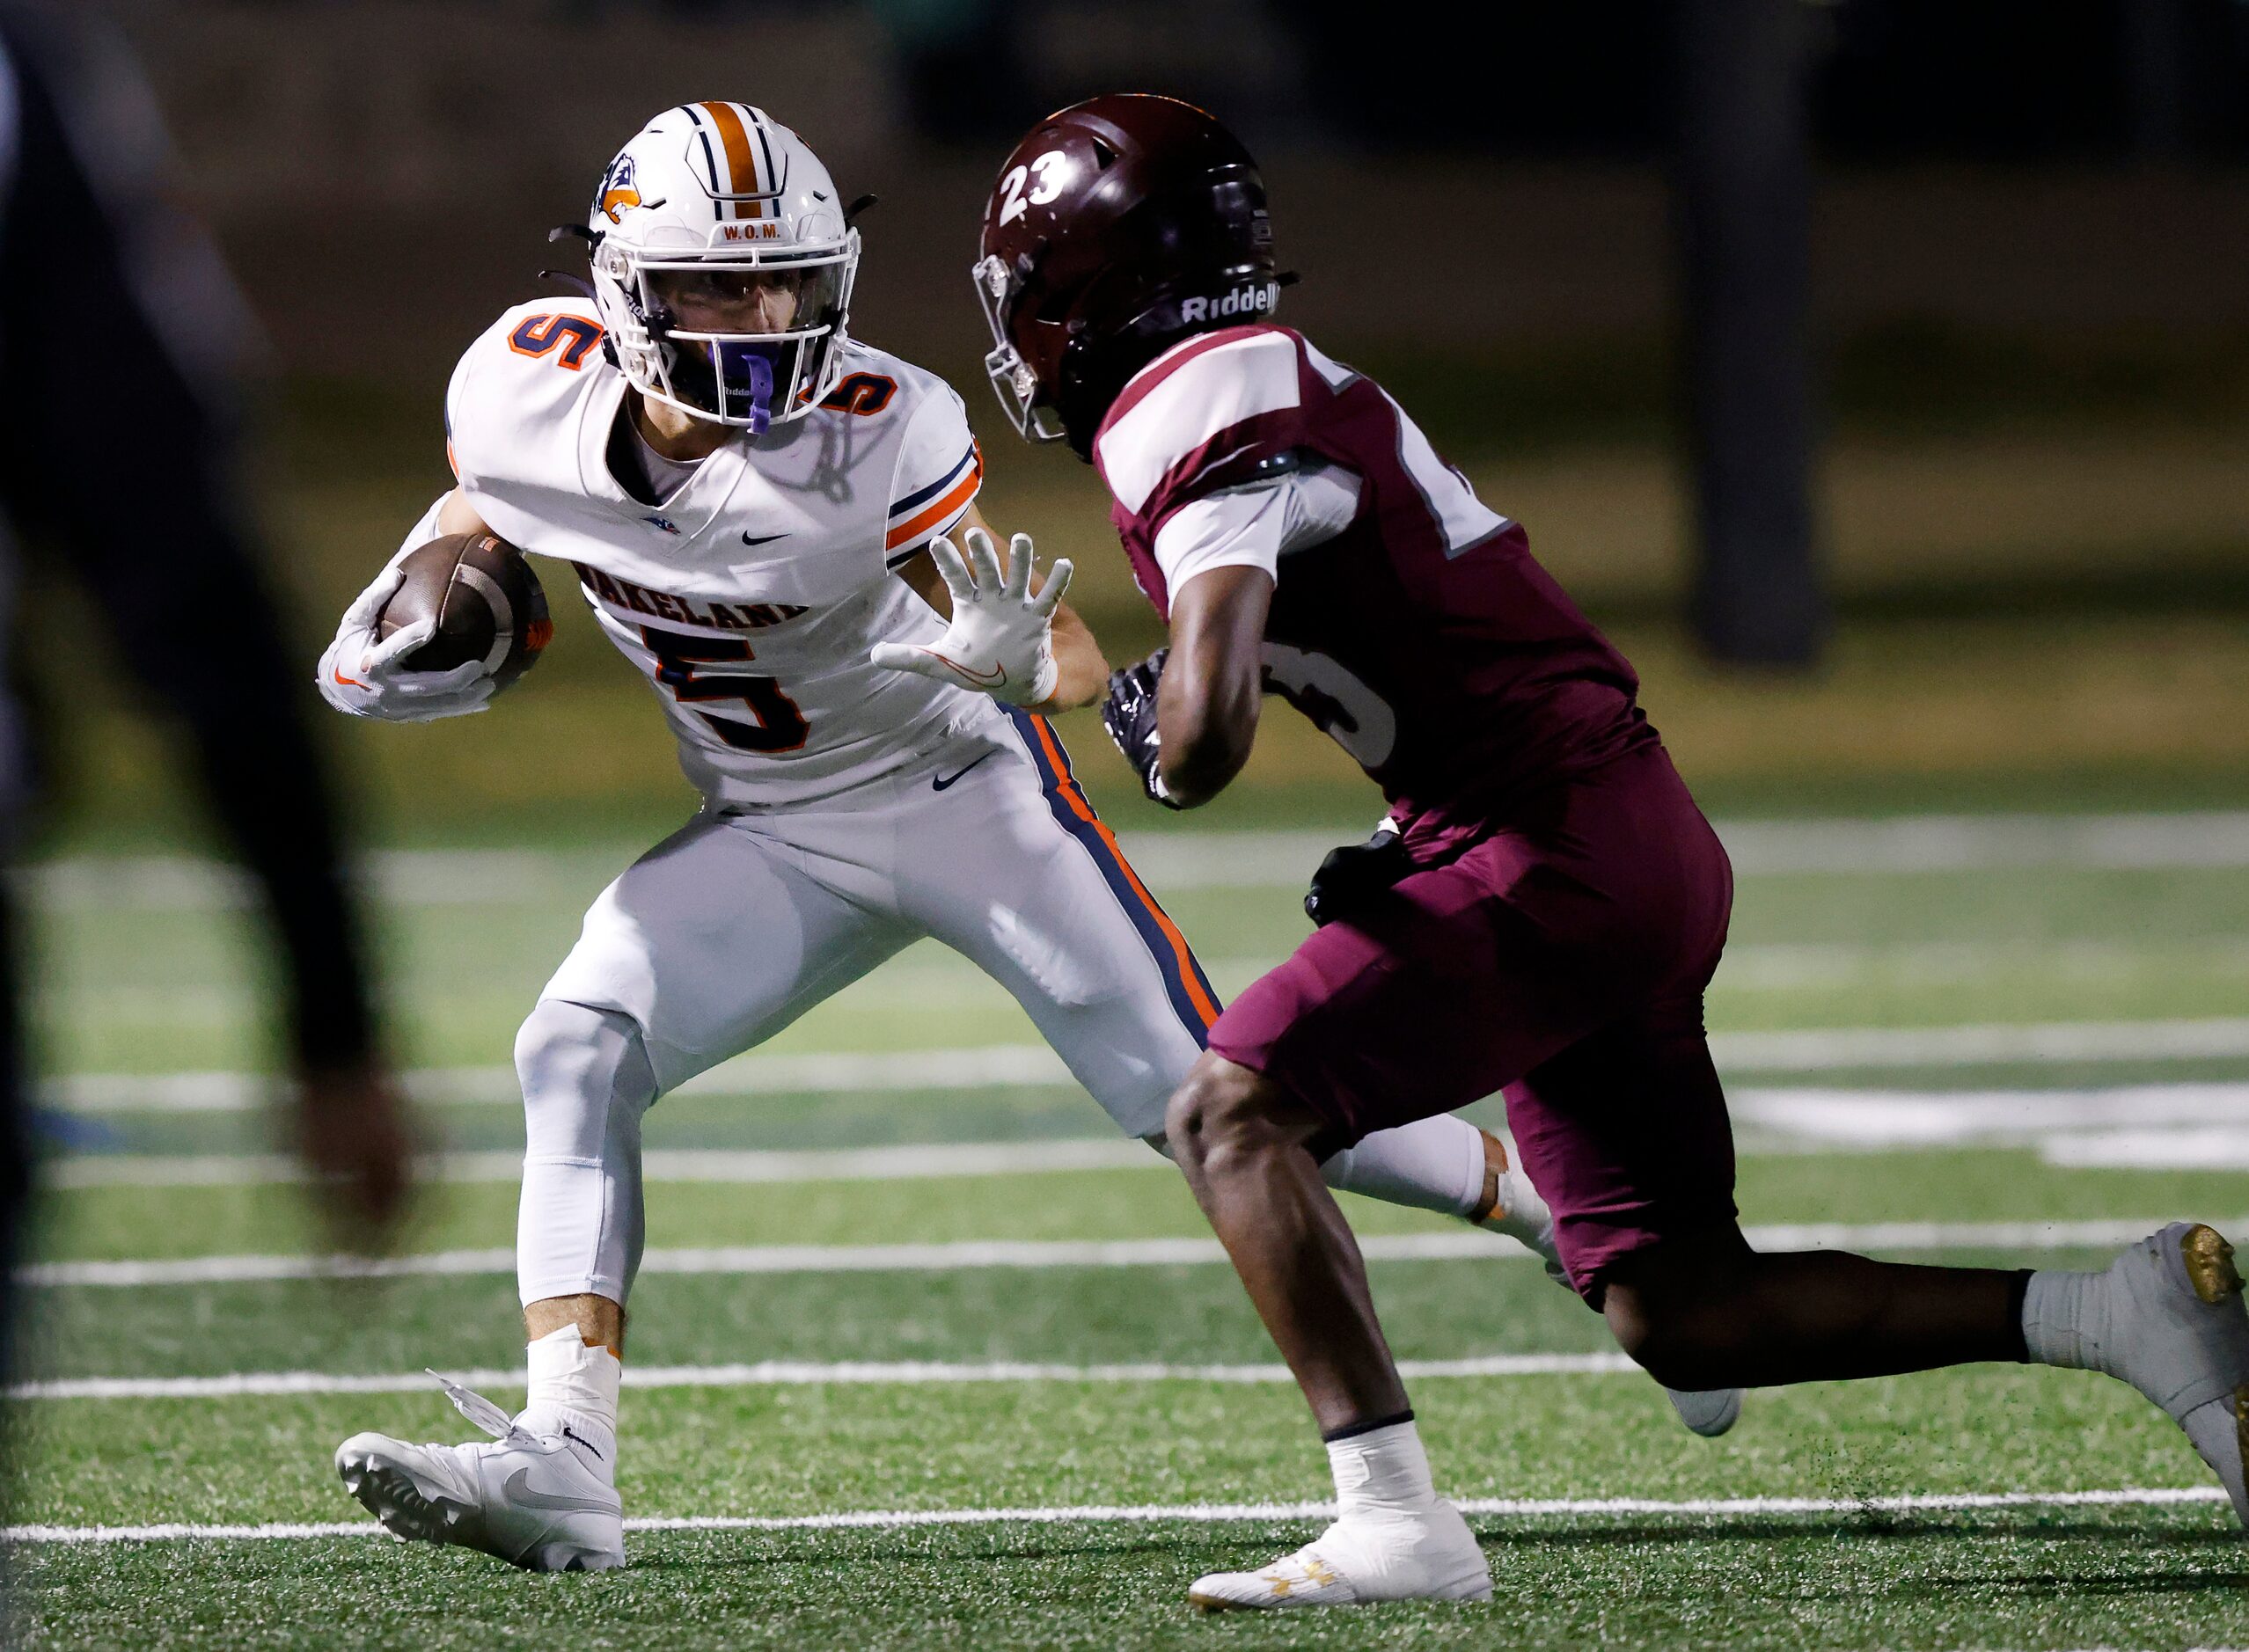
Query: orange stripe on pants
x=1189 y=975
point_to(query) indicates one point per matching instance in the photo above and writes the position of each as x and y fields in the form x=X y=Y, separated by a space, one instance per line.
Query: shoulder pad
x=1242 y=385
x=521 y=373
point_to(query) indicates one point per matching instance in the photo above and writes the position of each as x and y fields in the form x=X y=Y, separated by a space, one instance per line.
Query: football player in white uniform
x=754 y=504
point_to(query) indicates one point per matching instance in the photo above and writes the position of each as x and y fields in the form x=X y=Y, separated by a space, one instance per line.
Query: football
x=488 y=602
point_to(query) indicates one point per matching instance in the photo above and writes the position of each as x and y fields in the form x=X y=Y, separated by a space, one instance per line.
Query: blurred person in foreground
x=1541 y=911
x=113 y=306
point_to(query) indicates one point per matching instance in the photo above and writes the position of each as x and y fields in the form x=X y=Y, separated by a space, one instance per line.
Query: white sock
x=1383 y=1471
x=1432 y=1163
x=2065 y=1320
x=574 y=1387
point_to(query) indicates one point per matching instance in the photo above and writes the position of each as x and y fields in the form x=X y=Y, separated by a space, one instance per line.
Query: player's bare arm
x=456 y=515
x=1186 y=716
x=1212 y=684
x=1009 y=631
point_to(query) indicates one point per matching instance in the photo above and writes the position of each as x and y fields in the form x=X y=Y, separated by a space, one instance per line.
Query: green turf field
x=939 y=1362
x=936 y=1361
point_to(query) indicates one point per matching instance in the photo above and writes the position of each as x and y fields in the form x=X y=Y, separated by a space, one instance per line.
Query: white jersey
x=750 y=597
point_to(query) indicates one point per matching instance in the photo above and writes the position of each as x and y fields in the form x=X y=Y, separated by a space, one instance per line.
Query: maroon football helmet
x=1120 y=226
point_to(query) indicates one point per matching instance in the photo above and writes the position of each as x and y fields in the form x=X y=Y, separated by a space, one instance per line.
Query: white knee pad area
x=1432 y=1163
x=587 y=1083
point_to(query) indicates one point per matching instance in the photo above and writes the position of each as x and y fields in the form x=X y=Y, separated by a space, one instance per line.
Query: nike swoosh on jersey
x=519 y=1491
x=938 y=783
x=763 y=538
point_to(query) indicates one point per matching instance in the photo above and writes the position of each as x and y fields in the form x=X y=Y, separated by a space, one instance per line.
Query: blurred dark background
x=2014 y=399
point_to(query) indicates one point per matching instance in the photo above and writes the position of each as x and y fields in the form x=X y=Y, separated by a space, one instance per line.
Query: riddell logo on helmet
x=1242 y=300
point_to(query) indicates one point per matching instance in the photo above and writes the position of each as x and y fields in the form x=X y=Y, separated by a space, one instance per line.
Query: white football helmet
x=716 y=206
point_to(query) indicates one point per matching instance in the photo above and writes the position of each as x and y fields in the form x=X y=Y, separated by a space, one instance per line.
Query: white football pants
x=734 y=926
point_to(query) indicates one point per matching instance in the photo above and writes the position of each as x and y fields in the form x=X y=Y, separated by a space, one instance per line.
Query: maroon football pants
x=1560 y=956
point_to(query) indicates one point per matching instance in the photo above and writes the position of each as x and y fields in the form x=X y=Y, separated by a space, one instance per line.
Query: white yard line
x=2098 y=1233
x=1975 y=843
x=1803 y=1050
x=908 y=1163
x=181 y=883
x=1461 y=1244
x=774 y=1373
x=2217 y=1148
x=1824 y=1118
x=1826 y=1049
x=1769 y=967
x=1208 y=1513
x=930 y=977
x=823 y=1072
x=751 y=1258
x=1201 y=860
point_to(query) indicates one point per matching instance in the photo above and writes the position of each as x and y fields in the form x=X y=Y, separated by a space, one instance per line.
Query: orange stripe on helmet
x=1068 y=788
x=741 y=157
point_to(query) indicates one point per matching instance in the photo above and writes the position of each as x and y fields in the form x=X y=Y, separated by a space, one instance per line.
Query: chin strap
x=584 y=286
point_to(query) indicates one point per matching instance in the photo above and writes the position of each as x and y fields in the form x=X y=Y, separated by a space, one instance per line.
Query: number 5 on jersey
x=779 y=727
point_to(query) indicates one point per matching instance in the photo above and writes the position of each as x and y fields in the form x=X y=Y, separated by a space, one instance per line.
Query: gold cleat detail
x=1279 y=1585
x=2209 y=1264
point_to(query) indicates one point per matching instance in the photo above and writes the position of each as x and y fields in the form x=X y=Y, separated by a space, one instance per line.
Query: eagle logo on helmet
x=619 y=187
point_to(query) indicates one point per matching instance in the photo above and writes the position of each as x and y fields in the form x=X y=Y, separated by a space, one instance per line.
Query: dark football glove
x=1352 y=875
x=1130 y=715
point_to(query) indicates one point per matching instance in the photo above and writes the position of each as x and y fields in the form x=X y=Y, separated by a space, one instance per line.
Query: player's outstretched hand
x=364 y=678
x=1129 y=713
x=1001 y=637
x=353 y=1133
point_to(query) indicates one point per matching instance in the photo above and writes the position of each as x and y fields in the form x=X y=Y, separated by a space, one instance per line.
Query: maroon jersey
x=1422 y=636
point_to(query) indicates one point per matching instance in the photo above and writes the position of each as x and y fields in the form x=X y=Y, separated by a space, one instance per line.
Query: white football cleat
x=1364 y=1557
x=544 y=1504
x=1709 y=1412
x=2178 y=1333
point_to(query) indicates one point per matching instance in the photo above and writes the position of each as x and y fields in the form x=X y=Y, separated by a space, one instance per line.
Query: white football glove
x=1002 y=638
x=363 y=677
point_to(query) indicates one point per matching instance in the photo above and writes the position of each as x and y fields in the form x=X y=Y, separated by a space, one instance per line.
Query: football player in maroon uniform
x=1540 y=914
